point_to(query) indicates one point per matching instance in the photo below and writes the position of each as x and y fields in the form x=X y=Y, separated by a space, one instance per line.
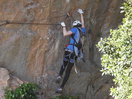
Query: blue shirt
x=75 y=33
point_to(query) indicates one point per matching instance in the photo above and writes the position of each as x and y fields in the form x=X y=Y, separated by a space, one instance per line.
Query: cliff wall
x=35 y=52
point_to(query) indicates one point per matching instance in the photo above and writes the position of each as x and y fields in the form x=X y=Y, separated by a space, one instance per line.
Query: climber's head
x=77 y=24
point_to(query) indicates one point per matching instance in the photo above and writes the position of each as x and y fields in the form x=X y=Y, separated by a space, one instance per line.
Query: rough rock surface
x=34 y=52
x=6 y=80
x=4 y=77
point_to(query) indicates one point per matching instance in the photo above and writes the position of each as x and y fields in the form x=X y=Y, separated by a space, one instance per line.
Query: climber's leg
x=65 y=63
x=68 y=70
x=67 y=74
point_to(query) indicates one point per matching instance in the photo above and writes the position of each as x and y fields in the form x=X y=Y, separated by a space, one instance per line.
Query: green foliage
x=66 y=97
x=24 y=91
x=116 y=57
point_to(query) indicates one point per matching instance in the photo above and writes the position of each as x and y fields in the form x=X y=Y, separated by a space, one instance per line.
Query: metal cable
x=3 y=24
x=31 y=23
x=15 y=22
x=6 y=22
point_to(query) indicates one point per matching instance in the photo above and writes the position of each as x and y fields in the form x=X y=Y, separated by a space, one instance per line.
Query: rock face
x=4 y=77
x=34 y=52
x=6 y=80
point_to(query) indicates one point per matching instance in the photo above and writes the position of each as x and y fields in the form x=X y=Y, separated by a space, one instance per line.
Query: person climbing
x=72 y=49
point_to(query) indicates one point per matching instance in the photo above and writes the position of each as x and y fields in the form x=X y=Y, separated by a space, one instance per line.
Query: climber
x=71 y=50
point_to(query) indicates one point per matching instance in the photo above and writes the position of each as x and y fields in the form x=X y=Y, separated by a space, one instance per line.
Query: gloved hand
x=80 y=11
x=63 y=24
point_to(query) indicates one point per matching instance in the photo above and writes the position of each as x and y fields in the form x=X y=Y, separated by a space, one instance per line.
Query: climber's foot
x=58 y=79
x=59 y=90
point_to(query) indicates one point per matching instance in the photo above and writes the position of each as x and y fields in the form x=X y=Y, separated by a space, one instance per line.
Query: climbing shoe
x=58 y=79
x=59 y=90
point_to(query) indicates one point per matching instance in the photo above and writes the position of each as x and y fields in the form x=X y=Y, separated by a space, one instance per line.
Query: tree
x=116 y=59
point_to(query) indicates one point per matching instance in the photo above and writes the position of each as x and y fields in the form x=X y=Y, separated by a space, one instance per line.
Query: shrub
x=116 y=57
x=24 y=91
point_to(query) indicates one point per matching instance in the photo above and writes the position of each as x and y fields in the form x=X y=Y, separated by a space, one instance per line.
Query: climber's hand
x=80 y=11
x=63 y=24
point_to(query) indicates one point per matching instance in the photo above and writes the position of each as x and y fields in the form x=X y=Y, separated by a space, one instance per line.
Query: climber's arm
x=82 y=19
x=65 y=32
